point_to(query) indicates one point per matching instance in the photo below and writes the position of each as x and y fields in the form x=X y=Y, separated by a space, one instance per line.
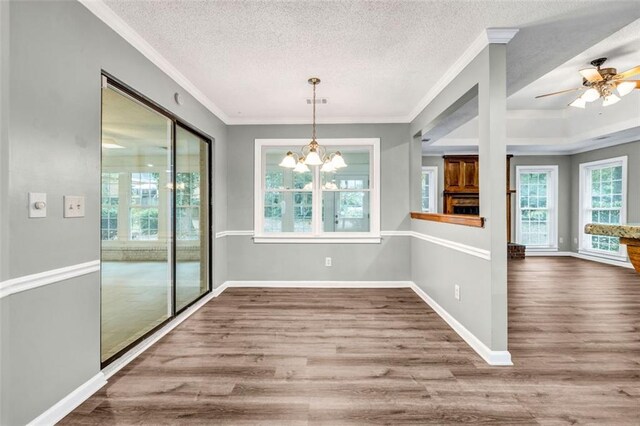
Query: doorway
x=155 y=218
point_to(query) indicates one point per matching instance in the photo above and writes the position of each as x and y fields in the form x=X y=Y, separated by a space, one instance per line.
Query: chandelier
x=313 y=154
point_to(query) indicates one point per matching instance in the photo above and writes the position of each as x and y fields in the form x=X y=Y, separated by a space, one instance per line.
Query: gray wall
x=56 y=53
x=4 y=184
x=351 y=262
x=482 y=308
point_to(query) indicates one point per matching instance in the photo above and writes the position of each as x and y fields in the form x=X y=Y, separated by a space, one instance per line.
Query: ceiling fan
x=600 y=83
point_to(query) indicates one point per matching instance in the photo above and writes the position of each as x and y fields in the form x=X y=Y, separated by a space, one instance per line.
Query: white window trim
x=584 y=178
x=552 y=205
x=317 y=236
x=433 y=188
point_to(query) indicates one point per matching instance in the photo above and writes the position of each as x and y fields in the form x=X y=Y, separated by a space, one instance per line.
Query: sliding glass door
x=155 y=219
x=192 y=217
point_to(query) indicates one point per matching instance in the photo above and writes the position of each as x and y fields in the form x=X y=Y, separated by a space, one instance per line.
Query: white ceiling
x=377 y=60
x=622 y=50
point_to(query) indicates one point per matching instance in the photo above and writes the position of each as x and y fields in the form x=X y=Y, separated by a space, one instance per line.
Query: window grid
x=307 y=201
x=188 y=206
x=143 y=210
x=535 y=224
x=428 y=188
x=109 y=206
x=605 y=204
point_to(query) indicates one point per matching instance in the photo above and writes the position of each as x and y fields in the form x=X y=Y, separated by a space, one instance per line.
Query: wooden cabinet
x=461 y=173
x=461 y=185
x=461 y=193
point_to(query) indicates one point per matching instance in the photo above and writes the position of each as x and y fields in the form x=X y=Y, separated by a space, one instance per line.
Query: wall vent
x=318 y=101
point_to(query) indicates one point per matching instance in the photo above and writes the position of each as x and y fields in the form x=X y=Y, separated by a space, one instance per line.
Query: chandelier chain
x=314 y=110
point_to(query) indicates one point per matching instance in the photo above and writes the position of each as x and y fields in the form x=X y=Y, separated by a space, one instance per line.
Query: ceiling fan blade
x=637 y=82
x=591 y=74
x=628 y=73
x=558 y=93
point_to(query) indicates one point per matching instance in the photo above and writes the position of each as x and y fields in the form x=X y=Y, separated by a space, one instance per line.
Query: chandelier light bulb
x=313 y=159
x=301 y=167
x=590 y=95
x=626 y=87
x=338 y=161
x=610 y=100
x=328 y=166
x=579 y=103
x=288 y=161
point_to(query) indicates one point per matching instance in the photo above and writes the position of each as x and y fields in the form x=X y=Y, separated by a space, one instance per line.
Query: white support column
x=493 y=183
x=4 y=140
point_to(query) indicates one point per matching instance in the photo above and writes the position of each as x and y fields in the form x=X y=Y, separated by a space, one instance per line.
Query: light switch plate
x=73 y=206
x=37 y=204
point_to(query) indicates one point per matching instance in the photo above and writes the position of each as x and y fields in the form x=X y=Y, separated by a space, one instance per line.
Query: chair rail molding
x=464 y=248
x=29 y=282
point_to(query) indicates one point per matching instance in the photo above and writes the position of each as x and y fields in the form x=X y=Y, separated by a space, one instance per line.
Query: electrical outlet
x=575 y=241
x=327 y=261
x=561 y=240
x=456 y=292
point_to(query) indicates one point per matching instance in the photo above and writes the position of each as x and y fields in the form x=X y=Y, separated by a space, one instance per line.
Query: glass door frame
x=109 y=80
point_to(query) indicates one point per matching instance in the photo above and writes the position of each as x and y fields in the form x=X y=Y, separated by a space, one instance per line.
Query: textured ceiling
x=376 y=59
x=622 y=50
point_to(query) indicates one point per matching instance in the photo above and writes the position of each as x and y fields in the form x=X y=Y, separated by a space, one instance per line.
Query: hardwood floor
x=358 y=356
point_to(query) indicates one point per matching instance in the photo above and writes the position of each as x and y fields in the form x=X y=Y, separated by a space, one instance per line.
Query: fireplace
x=463 y=204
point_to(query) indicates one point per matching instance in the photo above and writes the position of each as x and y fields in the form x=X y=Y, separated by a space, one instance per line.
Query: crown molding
x=500 y=35
x=109 y=17
x=124 y=30
x=488 y=36
x=324 y=120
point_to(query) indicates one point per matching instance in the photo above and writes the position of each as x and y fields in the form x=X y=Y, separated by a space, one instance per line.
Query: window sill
x=316 y=240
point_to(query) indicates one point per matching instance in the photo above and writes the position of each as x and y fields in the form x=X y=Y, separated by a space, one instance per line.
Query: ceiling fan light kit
x=601 y=83
x=313 y=154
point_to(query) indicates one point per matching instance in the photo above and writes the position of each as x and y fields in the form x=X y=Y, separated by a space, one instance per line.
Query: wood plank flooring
x=361 y=356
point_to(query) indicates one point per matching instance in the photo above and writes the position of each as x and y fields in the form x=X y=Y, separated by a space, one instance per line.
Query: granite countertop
x=626 y=231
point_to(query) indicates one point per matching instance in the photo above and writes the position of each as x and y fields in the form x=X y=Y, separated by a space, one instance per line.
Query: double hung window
x=603 y=192
x=536 y=213
x=316 y=206
x=429 y=189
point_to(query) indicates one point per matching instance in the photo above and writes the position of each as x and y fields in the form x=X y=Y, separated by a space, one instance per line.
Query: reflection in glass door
x=192 y=217
x=155 y=241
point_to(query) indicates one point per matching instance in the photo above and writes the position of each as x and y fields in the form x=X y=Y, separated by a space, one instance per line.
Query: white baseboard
x=70 y=402
x=602 y=260
x=497 y=358
x=320 y=284
x=541 y=253
x=583 y=256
